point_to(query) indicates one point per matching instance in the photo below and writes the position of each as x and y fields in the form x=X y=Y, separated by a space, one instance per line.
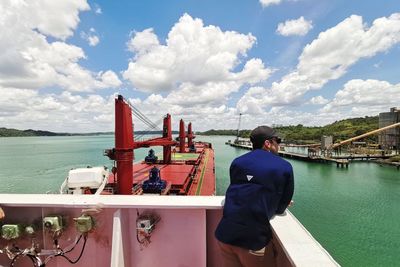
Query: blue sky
x=275 y=61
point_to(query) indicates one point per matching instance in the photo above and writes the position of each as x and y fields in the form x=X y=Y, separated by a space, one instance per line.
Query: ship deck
x=187 y=174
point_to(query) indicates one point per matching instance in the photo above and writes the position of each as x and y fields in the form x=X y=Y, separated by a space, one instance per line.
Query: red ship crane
x=190 y=136
x=182 y=136
x=125 y=144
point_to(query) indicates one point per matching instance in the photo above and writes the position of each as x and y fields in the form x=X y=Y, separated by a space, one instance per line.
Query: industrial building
x=326 y=141
x=389 y=139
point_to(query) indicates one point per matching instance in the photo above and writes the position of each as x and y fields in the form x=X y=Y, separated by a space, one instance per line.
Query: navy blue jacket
x=261 y=186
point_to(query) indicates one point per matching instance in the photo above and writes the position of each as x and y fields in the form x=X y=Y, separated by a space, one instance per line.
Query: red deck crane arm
x=154 y=142
x=124 y=144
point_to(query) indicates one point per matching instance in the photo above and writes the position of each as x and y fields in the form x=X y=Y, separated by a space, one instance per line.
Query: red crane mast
x=124 y=145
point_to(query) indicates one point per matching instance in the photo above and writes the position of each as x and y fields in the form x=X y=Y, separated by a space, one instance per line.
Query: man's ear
x=267 y=144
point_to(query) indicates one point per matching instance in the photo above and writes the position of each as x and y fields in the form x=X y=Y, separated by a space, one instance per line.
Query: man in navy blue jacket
x=261 y=185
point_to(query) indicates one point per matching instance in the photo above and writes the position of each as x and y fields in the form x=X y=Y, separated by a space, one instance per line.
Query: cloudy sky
x=275 y=61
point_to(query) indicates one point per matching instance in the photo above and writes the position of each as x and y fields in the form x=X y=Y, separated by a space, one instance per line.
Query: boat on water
x=159 y=211
x=185 y=168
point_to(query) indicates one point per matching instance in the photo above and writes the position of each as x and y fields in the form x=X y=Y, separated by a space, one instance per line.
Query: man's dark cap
x=262 y=133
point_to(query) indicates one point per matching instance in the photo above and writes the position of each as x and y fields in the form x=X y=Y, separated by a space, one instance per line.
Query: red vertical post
x=182 y=136
x=167 y=133
x=123 y=146
x=190 y=135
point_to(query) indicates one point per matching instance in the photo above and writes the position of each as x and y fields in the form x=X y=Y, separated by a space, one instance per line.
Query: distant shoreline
x=298 y=134
x=5 y=132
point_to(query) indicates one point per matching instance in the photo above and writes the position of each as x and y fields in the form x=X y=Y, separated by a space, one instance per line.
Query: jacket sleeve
x=234 y=172
x=231 y=172
x=287 y=193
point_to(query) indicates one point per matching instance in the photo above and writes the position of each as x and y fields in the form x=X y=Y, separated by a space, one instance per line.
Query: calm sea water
x=354 y=213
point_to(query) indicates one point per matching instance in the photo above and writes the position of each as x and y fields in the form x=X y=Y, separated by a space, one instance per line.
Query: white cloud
x=335 y=50
x=208 y=93
x=377 y=65
x=266 y=3
x=193 y=56
x=109 y=79
x=143 y=42
x=193 y=74
x=328 y=57
x=13 y=101
x=91 y=37
x=93 y=40
x=252 y=101
x=318 y=100
x=367 y=97
x=194 y=70
x=203 y=115
x=206 y=116
x=97 y=9
x=24 y=108
x=208 y=65
x=54 y=18
x=68 y=112
x=298 y=26
x=358 y=98
x=28 y=60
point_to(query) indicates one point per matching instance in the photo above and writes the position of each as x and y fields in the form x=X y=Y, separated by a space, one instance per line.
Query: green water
x=354 y=213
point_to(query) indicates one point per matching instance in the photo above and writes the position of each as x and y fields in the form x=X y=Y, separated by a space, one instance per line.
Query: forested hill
x=5 y=132
x=340 y=130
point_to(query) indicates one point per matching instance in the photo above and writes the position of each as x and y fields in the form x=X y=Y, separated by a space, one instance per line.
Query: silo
x=389 y=139
x=326 y=142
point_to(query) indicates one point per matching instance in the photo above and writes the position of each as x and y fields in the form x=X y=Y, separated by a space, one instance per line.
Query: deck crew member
x=261 y=186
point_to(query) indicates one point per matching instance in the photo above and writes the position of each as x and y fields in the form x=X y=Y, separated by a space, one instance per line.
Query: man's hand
x=2 y=215
x=291 y=203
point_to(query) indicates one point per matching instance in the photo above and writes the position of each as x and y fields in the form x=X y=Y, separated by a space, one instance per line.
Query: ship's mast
x=190 y=135
x=125 y=144
x=167 y=136
x=182 y=136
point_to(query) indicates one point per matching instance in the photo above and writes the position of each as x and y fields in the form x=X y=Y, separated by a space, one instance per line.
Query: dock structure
x=362 y=156
x=296 y=155
x=327 y=151
x=239 y=145
x=341 y=162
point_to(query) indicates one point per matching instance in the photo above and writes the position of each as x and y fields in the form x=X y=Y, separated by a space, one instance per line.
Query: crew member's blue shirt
x=261 y=185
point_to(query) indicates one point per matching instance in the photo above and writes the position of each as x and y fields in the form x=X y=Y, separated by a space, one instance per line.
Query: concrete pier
x=342 y=163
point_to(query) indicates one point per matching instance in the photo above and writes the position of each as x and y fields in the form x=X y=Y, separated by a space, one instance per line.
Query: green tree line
x=340 y=130
x=6 y=132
